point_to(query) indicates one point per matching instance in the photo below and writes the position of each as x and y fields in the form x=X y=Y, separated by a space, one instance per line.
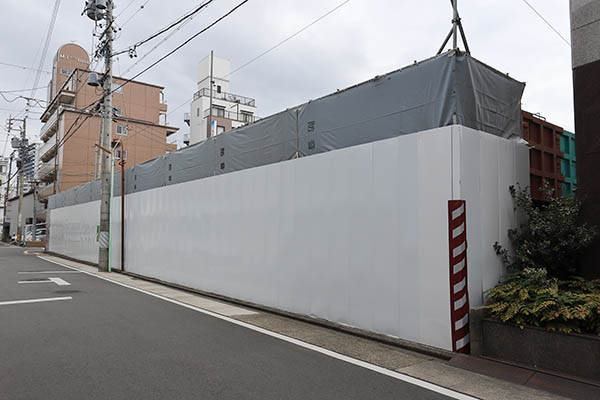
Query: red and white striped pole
x=459 y=293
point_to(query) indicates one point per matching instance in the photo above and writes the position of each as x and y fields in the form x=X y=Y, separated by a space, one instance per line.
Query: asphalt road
x=111 y=342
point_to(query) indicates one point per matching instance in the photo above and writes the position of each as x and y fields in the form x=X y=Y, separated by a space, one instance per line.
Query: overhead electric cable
x=167 y=28
x=135 y=13
x=288 y=38
x=125 y=9
x=181 y=45
x=273 y=48
x=23 y=67
x=46 y=45
x=547 y=23
x=160 y=43
x=23 y=90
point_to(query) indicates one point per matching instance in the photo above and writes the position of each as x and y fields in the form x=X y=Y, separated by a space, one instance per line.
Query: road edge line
x=384 y=371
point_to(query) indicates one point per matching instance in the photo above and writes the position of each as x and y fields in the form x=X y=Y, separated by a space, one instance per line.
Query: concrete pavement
x=113 y=341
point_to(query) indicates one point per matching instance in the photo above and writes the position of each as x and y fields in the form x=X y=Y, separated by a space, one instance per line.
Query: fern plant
x=532 y=297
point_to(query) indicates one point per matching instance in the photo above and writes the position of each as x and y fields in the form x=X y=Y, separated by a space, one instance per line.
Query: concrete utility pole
x=210 y=107
x=22 y=157
x=7 y=194
x=21 y=144
x=106 y=139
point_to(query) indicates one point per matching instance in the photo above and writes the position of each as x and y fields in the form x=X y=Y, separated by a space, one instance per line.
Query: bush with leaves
x=531 y=297
x=551 y=237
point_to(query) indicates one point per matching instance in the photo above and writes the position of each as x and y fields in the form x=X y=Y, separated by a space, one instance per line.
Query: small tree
x=552 y=236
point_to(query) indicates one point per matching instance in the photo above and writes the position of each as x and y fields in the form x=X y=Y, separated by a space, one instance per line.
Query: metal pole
x=122 y=208
x=34 y=235
x=106 y=139
x=455 y=25
x=112 y=188
x=6 y=197
x=211 y=97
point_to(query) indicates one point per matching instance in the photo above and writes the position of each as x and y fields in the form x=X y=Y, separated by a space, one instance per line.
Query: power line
x=167 y=28
x=169 y=36
x=124 y=9
x=181 y=45
x=547 y=23
x=288 y=38
x=46 y=45
x=135 y=13
x=272 y=48
x=23 y=90
x=24 y=67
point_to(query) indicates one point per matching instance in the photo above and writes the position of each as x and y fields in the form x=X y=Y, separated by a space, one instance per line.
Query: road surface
x=68 y=335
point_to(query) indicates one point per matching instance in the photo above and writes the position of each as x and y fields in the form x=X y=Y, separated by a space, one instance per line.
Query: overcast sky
x=362 y=39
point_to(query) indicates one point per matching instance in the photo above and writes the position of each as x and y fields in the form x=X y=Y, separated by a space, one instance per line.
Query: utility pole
x=106 y=139
x=22 y=156
x=7 y=194
x=21 y=144
x=210 y=107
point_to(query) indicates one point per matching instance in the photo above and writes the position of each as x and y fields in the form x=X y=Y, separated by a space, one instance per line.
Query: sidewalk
x=490 y=381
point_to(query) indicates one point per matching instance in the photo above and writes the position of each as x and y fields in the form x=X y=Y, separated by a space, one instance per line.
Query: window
x=219 y=111
x=218 y=88
x=65 y=71
x=220 y=129
x=197 y=112
x=122 y=130
x=118 y=111
x=120 y=152
x=247 y=117
x=117 y=88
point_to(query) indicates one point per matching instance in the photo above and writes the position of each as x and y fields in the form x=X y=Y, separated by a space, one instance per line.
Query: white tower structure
x=229 y=110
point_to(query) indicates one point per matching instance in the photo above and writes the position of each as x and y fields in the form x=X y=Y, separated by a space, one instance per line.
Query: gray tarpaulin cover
x=452 y=88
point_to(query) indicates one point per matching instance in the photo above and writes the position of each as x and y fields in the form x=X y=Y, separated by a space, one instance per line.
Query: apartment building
x=68 y=155
x=31 y=166
x=229 y=110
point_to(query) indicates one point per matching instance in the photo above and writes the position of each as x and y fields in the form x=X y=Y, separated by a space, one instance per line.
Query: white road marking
x=8 y=303
x=60 y=282
x=49 y=272
x=406 y=378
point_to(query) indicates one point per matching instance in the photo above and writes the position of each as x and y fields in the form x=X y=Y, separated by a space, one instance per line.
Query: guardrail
x=234 y=98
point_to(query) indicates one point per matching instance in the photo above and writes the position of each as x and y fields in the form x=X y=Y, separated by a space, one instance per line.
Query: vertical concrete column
x=585 y=39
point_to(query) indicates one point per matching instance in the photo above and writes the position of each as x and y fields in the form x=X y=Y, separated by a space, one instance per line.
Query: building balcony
x=50 y=127
x=66 y=95
x=244 y=117
x=48 y=149
x=233 y=98
x=46 y=171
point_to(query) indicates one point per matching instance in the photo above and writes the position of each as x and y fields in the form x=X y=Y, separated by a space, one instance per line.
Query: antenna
x=456 y=26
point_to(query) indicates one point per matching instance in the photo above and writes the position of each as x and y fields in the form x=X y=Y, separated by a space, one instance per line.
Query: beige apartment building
x=139 y=129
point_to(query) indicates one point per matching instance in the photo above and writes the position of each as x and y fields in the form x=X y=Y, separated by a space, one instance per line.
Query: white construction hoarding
x=356 y=236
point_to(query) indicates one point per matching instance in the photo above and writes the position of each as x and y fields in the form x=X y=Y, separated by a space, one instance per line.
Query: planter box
x=571 y=354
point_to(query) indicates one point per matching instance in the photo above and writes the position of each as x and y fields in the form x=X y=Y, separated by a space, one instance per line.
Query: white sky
x=362 y=39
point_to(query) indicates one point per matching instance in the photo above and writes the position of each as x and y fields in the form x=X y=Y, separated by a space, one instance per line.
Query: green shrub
x=531 y=297
x=551 y=237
